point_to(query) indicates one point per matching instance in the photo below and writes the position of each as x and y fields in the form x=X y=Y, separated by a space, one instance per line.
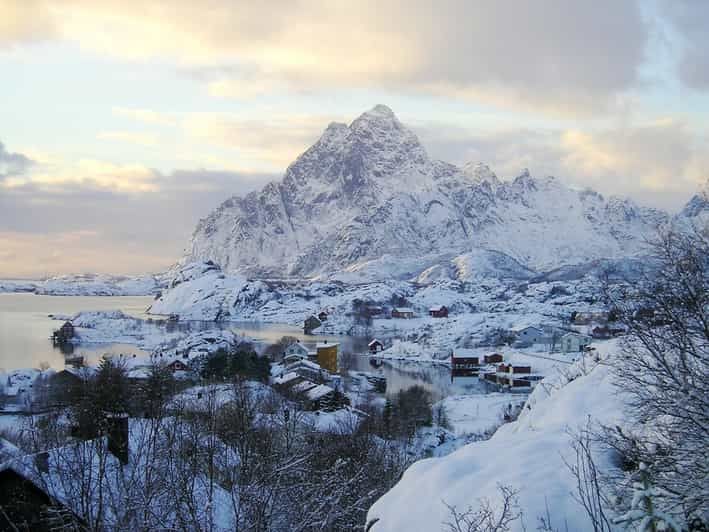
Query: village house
x=402 y=312
x=28 y=506
x=286 y=380
x=63 y=385
x=574 y=342
x=527 y=336
x=64 y=333
x=311 y=323
x=601 y=332
x=374 y=310
x=375 y=346
x=323 y=397
x=296 y=349
x=440 y=311
x=327 y=355
x=307 y=369
x=464 y=363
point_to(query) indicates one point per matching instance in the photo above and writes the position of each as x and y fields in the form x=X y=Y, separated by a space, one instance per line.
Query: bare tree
x=664 y=371
x=486 y=517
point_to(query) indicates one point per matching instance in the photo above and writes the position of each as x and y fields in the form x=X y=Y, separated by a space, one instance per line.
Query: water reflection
x=25 y=328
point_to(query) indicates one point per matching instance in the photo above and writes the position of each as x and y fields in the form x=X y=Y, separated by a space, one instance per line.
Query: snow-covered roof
x=322 y=345
x=528 y=327
x=437 y=308
x=303 y=386
x=462 y=352
x=283 y=379
x=404 y=309
x=303 y=363
x=375 y=341
x=318 y=392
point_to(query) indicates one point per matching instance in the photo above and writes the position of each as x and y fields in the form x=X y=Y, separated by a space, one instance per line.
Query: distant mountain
x=697 y=208
x=369 y=191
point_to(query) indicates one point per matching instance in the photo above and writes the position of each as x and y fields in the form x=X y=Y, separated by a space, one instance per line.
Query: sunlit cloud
x=272 y=142
x=92 y=173
x=662 y=162
x=459 y=48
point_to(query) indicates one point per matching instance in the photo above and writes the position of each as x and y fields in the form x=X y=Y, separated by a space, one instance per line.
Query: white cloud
x=662 y=163
x=564 y=56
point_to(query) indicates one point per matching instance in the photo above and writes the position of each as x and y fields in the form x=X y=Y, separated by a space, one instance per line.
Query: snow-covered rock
x=369 y=190
x=199 y=291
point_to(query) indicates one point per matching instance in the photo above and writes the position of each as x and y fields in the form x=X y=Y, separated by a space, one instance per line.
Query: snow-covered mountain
x=89 y=284
x=369 y=191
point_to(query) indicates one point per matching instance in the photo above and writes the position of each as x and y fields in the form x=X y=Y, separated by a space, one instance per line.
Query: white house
x=528 y=336
x=296 y=349
x=573 y=342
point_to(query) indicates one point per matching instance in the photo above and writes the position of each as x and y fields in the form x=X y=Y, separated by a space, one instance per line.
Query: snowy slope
x=368 y=191
x=88 y=284
x=527 y=455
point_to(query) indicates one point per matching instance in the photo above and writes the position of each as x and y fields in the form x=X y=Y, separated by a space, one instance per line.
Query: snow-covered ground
x=201 y=291
x=478 y=413
x=527 y=455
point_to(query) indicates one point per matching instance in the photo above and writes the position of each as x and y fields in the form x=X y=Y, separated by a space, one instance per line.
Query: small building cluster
x=493 y=370
x=308 y=382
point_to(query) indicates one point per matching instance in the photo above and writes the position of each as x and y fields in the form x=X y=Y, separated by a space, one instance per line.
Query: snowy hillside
x=88 y=284
x=527 y=456
x=368 y=192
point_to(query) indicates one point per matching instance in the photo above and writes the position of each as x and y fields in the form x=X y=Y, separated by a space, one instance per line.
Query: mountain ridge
x=369 y=189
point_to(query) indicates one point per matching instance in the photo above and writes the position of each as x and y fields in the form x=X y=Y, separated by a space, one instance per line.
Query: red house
x=438 y=312
x=464 y=364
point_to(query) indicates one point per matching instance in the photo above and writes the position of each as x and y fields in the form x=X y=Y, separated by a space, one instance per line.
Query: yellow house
x=327 y=356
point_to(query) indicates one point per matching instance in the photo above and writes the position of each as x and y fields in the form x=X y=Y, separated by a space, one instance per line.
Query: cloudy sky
x=122 y=122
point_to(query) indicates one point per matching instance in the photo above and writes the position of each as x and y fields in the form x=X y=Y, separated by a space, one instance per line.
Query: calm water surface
x=25 y=328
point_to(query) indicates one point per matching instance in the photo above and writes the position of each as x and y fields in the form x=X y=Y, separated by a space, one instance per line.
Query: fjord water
x=25 y=326
x=25 y=329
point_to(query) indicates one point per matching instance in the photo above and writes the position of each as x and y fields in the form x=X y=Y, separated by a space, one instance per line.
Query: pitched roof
x=318 y=392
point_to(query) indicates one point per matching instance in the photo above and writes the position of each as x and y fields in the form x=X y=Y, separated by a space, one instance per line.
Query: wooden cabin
x=438 y=312
x=375 y=346
x=402 y=312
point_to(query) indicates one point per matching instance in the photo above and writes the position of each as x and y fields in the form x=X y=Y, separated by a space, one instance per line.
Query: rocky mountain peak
x=698 y=205
x=368 y=190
